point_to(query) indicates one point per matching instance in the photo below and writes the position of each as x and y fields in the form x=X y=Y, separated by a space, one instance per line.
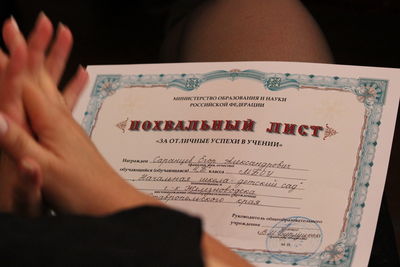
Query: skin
x=51 y=164
x=75 y=177
x=65 y=168
x=21 y=193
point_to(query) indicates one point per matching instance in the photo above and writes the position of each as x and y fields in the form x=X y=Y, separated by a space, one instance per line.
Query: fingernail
x=14 y=23
x=28 y=169
x=3 y=125
x=26 y=166
x=60 y=27
x=30 y=172
x=42 y=15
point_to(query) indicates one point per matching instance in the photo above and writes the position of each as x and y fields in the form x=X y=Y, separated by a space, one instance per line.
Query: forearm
x=214 y=252
x=119 y=195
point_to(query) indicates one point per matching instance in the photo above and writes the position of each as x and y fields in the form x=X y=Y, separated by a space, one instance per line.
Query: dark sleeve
x=146 y=236
x=384 y=250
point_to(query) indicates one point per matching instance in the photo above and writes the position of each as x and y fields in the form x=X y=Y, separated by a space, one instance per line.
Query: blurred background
x=359 y=32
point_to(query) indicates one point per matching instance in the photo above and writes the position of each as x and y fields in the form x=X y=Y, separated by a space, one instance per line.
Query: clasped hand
x=46 y=153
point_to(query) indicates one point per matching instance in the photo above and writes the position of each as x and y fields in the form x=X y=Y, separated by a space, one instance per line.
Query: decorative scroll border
x=370 y=92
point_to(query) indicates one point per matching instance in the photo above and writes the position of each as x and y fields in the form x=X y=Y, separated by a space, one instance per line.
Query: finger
x=17 y=142
x=3 y=61
x=59 y=53
x=17 y=62
x=16 y=45
x=29 y=199
x=11 y=34
x=39 y=40
x=75 y=87
x=42 y=111
x=10 y=91
x=32 y=172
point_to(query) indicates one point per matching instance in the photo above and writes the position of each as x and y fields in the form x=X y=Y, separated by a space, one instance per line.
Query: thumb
x=17 y=142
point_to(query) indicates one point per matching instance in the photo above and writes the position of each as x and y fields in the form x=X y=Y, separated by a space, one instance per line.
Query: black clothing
x=384 y=251
x=146 y=236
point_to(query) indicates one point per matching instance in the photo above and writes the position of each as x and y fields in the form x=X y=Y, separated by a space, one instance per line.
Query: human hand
x=76 y=178
x=21 y=193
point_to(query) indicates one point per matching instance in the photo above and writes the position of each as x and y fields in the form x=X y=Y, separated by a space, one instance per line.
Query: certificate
x=284 y=162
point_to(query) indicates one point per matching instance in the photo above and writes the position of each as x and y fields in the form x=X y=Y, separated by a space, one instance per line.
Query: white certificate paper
x=284 y=162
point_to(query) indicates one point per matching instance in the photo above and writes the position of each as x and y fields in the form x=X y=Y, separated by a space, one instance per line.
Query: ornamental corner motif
x=371 y=92
x=106 y=85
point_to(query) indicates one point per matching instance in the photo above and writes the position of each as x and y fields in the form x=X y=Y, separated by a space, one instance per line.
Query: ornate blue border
x=370 y=92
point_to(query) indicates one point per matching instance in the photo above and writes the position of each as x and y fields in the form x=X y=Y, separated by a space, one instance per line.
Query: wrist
x=97 y=196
